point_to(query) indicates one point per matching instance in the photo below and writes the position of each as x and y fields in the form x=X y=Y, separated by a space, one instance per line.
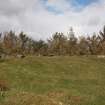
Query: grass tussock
x=4 y=86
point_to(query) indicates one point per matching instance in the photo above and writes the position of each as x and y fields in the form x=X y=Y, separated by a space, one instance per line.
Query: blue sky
x=77 y=4
x=82 y=3
x=51 y=8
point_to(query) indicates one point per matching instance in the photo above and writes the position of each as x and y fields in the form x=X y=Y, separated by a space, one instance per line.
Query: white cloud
x=32 y=17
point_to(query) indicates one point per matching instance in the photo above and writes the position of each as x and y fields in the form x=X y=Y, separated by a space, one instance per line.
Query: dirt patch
x=25 y=98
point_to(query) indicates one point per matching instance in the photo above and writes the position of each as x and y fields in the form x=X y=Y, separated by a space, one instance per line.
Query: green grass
x=51 y=80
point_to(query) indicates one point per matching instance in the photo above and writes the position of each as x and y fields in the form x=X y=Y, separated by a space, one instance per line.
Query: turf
x=54 y=81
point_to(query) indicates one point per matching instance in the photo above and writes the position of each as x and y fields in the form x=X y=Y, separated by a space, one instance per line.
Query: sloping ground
x=53 y=81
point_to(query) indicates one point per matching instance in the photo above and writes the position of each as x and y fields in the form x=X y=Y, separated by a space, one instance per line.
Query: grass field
x=54 y=81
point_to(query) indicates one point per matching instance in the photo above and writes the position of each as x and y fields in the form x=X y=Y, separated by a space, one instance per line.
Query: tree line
x=58 y=44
